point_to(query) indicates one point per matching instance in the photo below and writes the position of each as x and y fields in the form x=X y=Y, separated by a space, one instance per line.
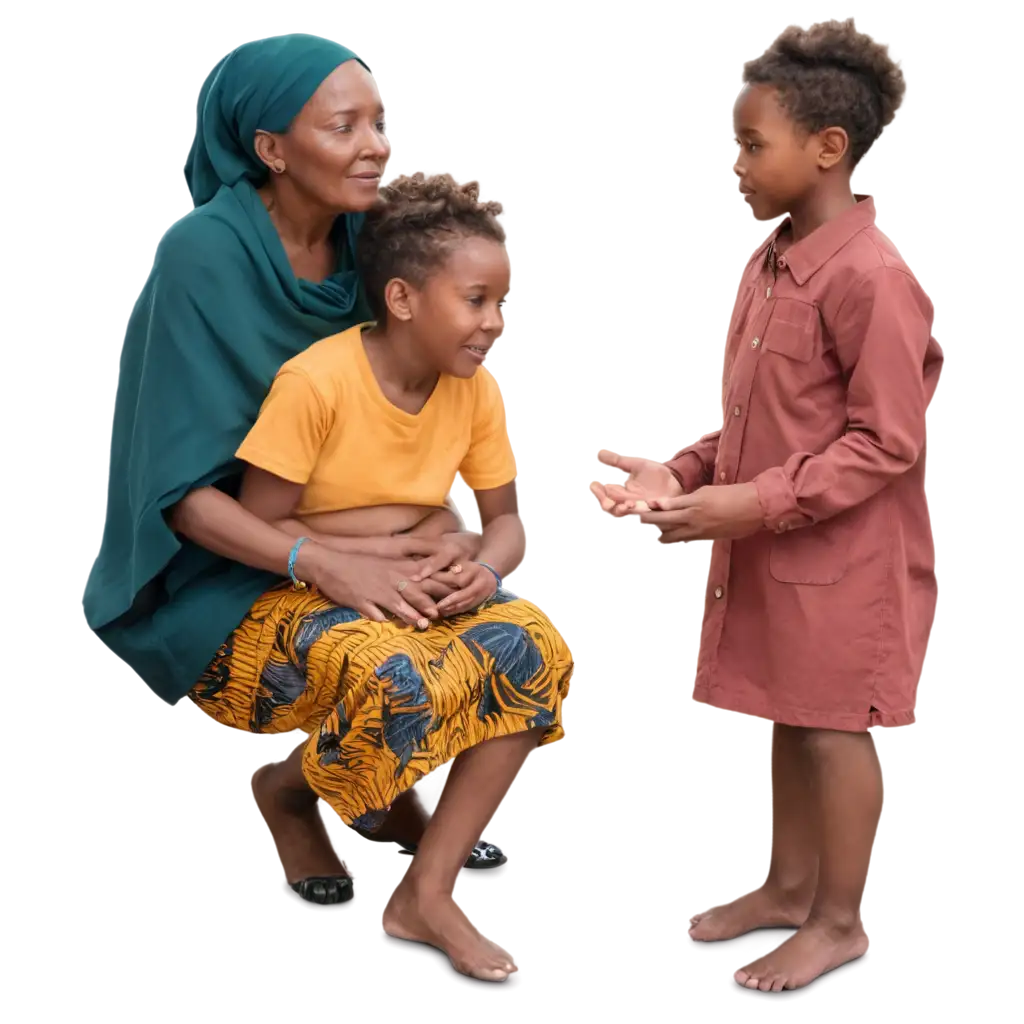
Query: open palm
x=646 y=479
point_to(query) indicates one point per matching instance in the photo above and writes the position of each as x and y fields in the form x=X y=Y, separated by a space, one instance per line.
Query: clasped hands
x=653 y=493
x=417 y=579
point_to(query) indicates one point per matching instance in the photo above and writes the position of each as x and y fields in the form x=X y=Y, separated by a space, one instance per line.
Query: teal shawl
x=220 y=313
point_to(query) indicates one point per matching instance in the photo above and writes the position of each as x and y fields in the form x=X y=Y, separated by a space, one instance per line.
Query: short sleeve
x=489 y=463
x=290 y=431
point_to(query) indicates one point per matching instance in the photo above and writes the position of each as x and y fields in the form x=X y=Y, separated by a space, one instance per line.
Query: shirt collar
x=806 y=257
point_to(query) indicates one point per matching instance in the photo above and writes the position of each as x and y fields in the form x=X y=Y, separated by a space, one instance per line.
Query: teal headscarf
x=220 y=313
x=259 y=86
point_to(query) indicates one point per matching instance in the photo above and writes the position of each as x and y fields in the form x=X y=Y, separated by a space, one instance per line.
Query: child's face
x=778 y=163
x=456 y=315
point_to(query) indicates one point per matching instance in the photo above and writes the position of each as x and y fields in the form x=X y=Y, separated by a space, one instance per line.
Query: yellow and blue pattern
x=385 y=703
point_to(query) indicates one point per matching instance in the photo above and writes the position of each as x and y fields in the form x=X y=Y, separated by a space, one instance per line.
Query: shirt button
x=737 y=411
x=755 y=343
x=719 y=593
x=782 y=262
x=768 y=294
x=721 y=476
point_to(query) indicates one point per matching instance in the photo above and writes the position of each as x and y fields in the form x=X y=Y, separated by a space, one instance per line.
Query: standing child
x=822 y=588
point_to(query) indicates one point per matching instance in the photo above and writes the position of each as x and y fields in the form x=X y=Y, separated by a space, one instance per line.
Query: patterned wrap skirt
x=384 y=703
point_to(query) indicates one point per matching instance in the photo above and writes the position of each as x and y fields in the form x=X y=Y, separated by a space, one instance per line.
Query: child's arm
x=503 y=547
x=503 y=543
x=884 y=344
x=694 y=466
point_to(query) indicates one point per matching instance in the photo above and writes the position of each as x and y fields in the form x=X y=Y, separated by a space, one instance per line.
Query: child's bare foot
x=763 y=908
x=437 y=921
x=816 y=948
x=294 y=821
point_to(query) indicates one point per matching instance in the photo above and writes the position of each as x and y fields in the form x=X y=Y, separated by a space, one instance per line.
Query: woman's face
x=336 y=149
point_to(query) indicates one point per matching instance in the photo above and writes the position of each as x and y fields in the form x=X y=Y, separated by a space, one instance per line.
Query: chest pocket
x=792 y=330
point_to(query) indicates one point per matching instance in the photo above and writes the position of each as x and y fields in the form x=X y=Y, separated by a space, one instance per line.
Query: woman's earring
x=278 y=167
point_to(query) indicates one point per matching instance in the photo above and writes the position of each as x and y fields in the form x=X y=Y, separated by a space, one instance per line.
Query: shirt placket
x=730 y=442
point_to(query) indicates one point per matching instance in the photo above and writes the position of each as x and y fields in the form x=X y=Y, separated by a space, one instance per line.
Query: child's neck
x=824 y=203
x=397 y=361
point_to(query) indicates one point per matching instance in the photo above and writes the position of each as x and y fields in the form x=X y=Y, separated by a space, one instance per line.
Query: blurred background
x=605 y=134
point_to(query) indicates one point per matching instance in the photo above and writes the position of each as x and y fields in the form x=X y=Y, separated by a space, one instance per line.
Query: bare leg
x=847 y=798
x=422 y=908
x=785 y=898
x=290 y=811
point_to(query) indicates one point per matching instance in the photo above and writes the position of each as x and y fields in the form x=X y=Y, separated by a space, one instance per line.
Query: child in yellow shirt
x=358 y=441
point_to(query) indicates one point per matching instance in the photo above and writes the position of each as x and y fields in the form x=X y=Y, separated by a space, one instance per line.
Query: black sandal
x=325 y=889
x=484 y=855
x=329 y=891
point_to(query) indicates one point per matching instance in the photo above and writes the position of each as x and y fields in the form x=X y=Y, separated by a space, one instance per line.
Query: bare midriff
x=385 y=521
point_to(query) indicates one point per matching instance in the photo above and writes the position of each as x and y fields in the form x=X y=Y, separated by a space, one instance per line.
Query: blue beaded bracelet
x=296 y=582
x=493 y=571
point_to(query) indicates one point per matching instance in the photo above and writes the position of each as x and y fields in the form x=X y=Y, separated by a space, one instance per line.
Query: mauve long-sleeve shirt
x=822 y=618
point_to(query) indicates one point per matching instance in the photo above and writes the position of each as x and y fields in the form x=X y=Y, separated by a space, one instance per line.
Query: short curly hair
x=411 y=230
x=832 y=75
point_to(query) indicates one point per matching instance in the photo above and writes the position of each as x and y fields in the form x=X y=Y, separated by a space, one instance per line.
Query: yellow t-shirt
x=326 y=424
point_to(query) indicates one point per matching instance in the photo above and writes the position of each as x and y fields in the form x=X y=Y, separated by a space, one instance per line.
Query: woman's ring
x=402 y=584
x=456 y=569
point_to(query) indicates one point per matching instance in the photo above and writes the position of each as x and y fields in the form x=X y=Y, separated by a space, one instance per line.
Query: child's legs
x=477 y=783
x=846 y=786
x=793 y=868
x=785 y=897
x=422 y=908
x=847 y=782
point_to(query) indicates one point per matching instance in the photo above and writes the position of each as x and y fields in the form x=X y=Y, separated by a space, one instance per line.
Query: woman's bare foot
x=816 y=948
x=437 y=921
x=763 y=908
x=293 y=817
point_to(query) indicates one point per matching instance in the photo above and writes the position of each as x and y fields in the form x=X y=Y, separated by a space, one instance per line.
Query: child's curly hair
x=832 y=75
x=413 y=226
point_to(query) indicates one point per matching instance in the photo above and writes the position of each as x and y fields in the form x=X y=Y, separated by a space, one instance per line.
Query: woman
x=289 y=151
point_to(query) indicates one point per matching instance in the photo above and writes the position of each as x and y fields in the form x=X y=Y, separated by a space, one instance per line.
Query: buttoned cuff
x=688 y=468
x=778 y=501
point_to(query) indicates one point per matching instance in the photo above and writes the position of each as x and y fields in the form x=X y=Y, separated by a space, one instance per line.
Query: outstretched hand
x=709 y=513
x=646 y=480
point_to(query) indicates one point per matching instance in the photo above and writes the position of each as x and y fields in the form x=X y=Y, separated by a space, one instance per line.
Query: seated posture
x=356 y=447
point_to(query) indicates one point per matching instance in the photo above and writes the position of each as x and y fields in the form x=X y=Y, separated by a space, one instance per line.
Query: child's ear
x=833 y=145
x=398 y=297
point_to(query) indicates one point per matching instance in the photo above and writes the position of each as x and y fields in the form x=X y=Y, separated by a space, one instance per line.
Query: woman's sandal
x=484 y=855
x=330 y=889
x=325 y=889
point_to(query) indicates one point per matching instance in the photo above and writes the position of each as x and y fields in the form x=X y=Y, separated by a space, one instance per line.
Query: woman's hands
x=416 y=579
x=370 y=585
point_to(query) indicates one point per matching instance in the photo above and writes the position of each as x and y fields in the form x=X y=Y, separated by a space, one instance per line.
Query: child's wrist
x=487 y=567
